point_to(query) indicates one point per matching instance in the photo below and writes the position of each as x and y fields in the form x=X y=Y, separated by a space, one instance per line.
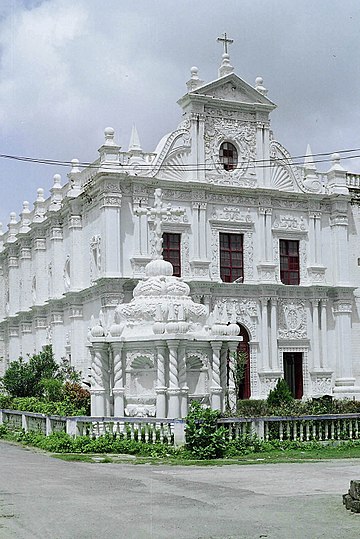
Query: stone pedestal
x=161 y=402
x=118 y=394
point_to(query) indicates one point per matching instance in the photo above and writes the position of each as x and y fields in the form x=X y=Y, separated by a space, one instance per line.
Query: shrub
x=203 y=439
x=281 y=394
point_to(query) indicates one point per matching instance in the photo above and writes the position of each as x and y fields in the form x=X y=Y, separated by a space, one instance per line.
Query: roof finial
x=134 y=146
x=226 y=68
x=225 y=40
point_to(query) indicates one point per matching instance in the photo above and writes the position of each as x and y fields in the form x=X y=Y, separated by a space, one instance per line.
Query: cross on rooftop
x=157 y=213
x=224 y=39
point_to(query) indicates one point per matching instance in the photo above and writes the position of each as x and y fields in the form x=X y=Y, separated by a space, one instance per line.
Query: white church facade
x=265 y=258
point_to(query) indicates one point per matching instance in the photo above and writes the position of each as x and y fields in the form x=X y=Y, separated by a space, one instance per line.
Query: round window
x=228 y=156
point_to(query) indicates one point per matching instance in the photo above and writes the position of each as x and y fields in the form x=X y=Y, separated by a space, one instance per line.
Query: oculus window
x=228 y=156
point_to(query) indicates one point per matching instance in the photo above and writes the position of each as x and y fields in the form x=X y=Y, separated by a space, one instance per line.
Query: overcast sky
x=70 y=68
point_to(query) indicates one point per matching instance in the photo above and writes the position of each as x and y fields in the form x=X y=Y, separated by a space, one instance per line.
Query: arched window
x=228 y=156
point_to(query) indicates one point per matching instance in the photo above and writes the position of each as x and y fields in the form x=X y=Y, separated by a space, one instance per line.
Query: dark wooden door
x=293 y=372
x=245 y=386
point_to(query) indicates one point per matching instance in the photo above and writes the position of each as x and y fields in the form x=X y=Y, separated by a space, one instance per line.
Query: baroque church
x=150 y=272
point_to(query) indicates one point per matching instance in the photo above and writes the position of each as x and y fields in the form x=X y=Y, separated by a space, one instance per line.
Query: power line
x=191 y=167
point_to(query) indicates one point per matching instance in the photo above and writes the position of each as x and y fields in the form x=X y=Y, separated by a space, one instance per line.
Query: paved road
x=42 y=497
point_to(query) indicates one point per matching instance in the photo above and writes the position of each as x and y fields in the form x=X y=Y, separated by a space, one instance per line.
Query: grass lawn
x=270 y=457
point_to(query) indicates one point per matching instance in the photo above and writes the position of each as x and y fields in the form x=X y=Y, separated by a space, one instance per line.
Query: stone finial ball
x=57 y=178
x=12 y=216
x=109 y=132
x=40 y=192
x=26 y=205
x=335 y=157
x=259 y=81
x=194 y=70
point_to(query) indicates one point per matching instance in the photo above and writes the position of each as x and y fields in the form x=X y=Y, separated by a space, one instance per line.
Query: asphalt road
x=42 y=497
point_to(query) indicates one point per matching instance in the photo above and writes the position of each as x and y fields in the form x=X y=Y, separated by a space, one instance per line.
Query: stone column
x=173 y=390
x=161 y=381
x=202 y=231
x=25 y=277
x=315 y=333
x=100 y=390
x=215 y=388
x=77 y=336
x=268 y=235
x=40 y=333
x=110 y=217
x=195 y=229
x=56 y=238
x=273 y=338
x=344 y=371
x=58 y=337
x=324 y=352
x=262 y=240
x=14 y=343
x=339 y=229
x=264 y=334
x=118 y=385
x=14 y=281
x=231 y=384
x=182 y=380
x=77 y=255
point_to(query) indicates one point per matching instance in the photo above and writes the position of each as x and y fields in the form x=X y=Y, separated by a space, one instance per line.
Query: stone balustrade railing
x=330 y=427
x=321 y=428
x=147 y=429
x=353 y=180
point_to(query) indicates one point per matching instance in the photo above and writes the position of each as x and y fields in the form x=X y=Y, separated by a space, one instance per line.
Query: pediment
x=233 y=88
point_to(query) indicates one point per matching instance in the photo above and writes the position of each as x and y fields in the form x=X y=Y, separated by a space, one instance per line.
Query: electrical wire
x=191 y=167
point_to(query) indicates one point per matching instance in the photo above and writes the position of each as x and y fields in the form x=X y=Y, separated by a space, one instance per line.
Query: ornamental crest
x=292 y=317
x=243 y=134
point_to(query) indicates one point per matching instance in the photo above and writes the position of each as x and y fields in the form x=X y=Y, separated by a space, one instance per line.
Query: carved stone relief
x=243 y=135
x=292 y=319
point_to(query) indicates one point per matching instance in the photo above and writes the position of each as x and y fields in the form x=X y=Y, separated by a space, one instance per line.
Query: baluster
x=307 y=431
x=326 y=428
x=147 y=432
x=294 y=425
x=332 y=430
x=350 y=429
x=338 y=426
x=230 y=432
x=320 y=430
x=301 y=432
x=161 y=430
x=266 y=431
x=236 y=431
x=281 y=431
x=356 y=428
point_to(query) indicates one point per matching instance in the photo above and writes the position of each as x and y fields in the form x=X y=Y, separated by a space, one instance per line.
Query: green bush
x=280 y=395
x=203 y=439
